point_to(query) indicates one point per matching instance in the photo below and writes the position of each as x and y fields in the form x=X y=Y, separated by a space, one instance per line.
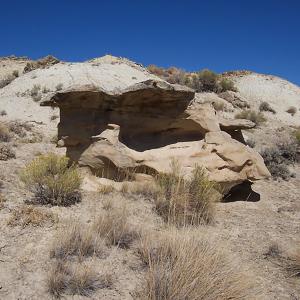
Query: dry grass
x=256 y=117
x=148 y=190
x=77 y=239
x=114 y=227
x=52 y=181
x=186 y=201
x=2 y=201
x=80 y=279
x=182 y=265
x=106 y=189
x=31 y=216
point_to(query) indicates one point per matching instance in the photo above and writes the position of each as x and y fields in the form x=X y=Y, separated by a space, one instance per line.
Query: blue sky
x=258 y=35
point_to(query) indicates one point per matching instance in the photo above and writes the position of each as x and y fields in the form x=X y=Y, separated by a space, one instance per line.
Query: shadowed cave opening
x=242 y=192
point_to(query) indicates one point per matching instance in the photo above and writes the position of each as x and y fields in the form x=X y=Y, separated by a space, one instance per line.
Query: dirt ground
x=248 y=229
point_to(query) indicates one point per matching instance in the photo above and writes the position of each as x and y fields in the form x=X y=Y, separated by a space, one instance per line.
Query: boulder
x=141 y=127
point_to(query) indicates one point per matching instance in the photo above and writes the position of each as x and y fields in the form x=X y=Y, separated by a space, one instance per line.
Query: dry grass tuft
x=78 y=240
x=256 y=117
x=52 y=181
x=31 y=216
x=115 y=228
x=106 y=189
x=265 y=106
x=186 y=201
x=80 y=279
x=182 y=265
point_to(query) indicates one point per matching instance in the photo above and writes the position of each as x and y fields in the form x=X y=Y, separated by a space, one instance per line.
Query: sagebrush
x=52 y=180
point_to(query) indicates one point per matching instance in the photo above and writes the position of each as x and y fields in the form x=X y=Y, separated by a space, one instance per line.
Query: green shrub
x=209 y=80
x=52 y=181
x=255 y=117
x=265 y=106
x=186 y=201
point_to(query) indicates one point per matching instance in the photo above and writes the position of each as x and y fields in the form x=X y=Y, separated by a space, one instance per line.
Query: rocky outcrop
x=141 y=127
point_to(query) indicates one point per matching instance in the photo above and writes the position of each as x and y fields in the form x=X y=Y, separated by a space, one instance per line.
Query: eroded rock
x=142 y=127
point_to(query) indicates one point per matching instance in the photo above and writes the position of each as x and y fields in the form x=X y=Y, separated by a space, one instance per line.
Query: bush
x=52 y=181
x=6 y=81
x=209 y=80
x=265 y=106
x=186 y=201
x=251 y=143
x=6 y=152
x=292 y=110
x=278 y=157
x=181 y=265
x=227 y=85
x=35 y=93
x=19 y=128
x=5 y=135
x=255 y=117
x=15 y=73
x=3 y=113
x=218 y=106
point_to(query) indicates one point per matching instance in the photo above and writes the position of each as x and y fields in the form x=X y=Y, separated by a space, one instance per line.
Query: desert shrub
x=31 y=216
x=59 y=87
x=256 y=117
x=35 y=93
x=2 y=201
x=182 y=265
x=227 y=85
x=265 y=106
x=7 y=80
x=80 y=279
x=277 y=159
x=186 y=201
x=296 y=135
x=113 y=226
x=19 y=128
x=209 y=80
x=15 y=73
x=77 y=239
x=6 y=152
x=292 y=110
x=52 y=181
x=3 y=113
x=5 y=135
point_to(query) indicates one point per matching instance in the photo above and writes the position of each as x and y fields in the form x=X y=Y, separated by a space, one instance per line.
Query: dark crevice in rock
x=242 y=192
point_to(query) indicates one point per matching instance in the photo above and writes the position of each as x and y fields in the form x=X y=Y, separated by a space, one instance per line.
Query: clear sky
x=222 y=35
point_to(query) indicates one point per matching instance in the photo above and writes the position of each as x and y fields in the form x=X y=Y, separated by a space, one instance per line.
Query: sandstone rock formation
x=142 y=127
